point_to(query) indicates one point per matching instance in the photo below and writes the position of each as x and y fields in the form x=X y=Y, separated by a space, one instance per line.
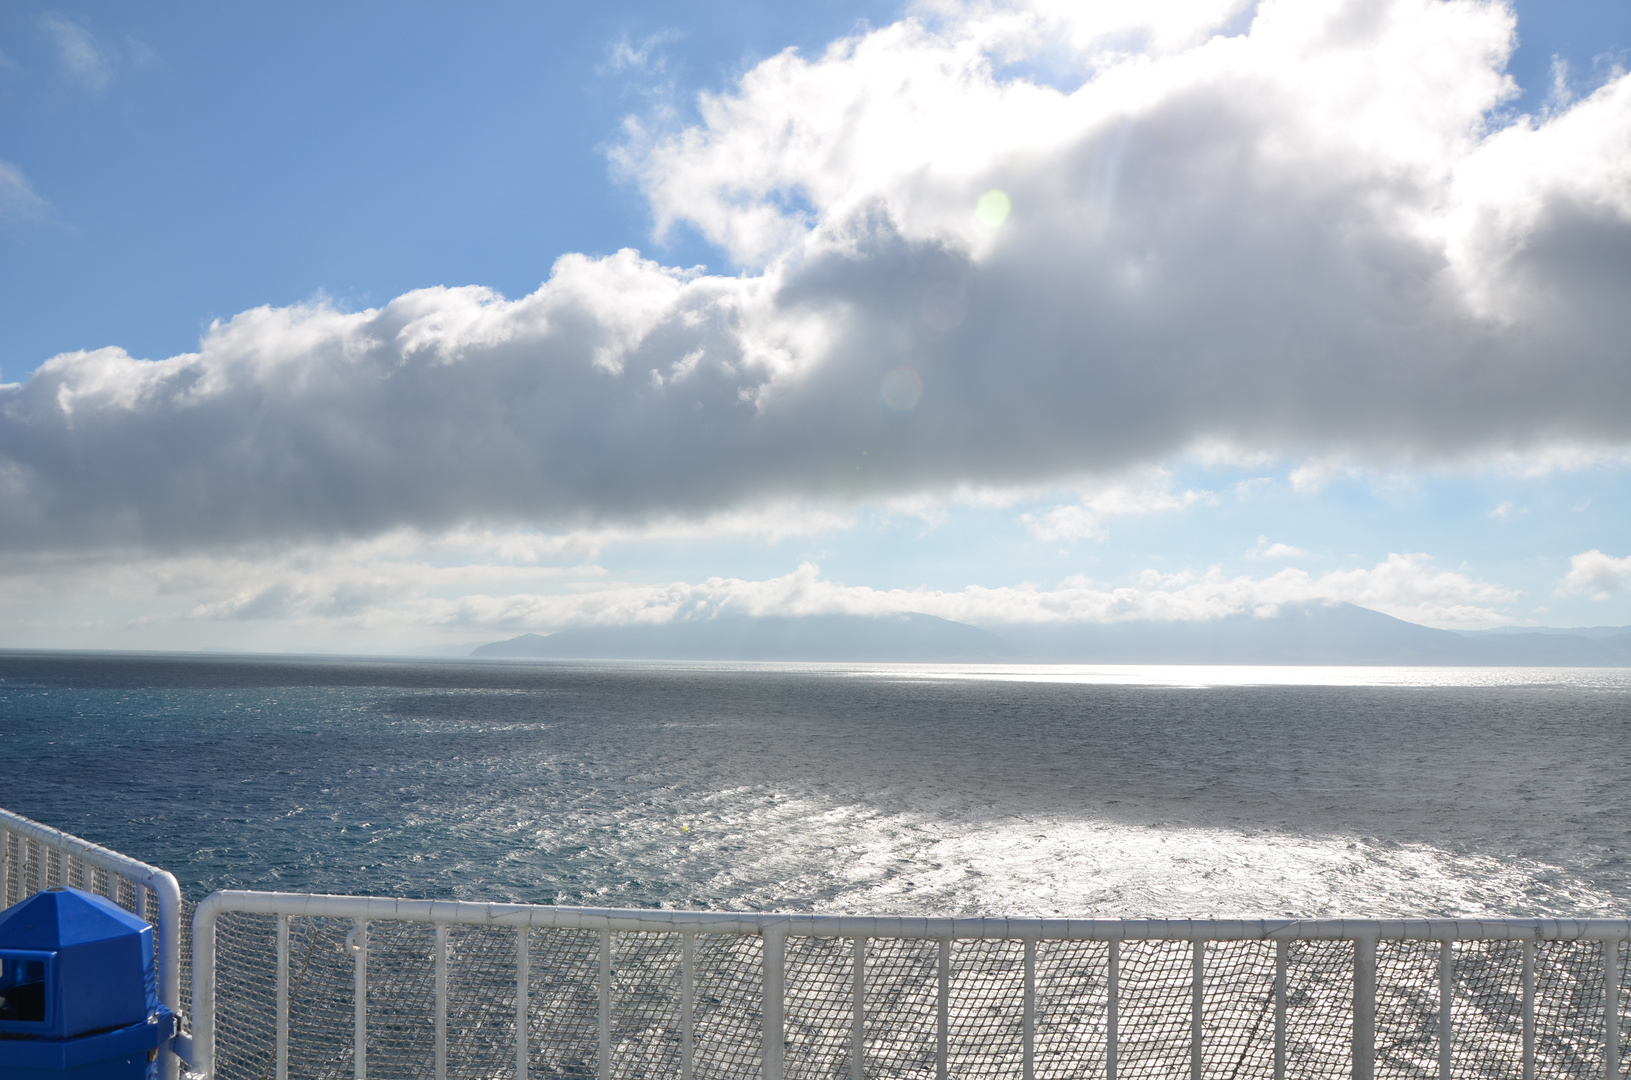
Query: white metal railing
x=774 y=931
x=34 y=857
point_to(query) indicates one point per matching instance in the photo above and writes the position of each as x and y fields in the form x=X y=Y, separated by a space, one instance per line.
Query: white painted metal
x=605 y=1064
x=1446 y=990
x=523 y=998
x=1364 y=1016
x=942 y=1052
x=1112 y=1018
x=688 y=978
x=441 y=1001
x=775 y=1029
x=857 y=1027
x=359 y=1014
x=1611 y=1010
x=60 y=847
x=1028 y=1026
x=1197 y=990
x=281 y=1050
x=1528 y=1010
x=775 y=928
x=1282 y=953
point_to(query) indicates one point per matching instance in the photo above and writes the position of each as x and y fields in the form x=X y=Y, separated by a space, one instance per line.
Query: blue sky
x=1167 y=386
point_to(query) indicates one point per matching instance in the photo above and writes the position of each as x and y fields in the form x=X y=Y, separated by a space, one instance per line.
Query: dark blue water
x=881 y=789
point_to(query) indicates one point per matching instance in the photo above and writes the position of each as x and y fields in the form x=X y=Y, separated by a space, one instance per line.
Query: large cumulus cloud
x=1317 y=233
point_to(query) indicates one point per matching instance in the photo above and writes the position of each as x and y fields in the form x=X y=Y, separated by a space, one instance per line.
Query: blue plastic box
x=78 y=996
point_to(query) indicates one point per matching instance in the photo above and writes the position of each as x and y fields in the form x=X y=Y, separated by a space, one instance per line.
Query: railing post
x=857 y=1027
x=1528 y=1009
x=281 y=1050
x=688 y=977
x=1197 y=994
x=359 y=1016
x=1364 y=1034
x=1028 y=1047
x=523 y=997
x=1446 y=996
x=604 y=1067
x=1282 y=954
x=1111 y=1010
x=942 y=1053
x=1611 y=1009
x=441 y=1001
x=774 y=1031
x=204 y=988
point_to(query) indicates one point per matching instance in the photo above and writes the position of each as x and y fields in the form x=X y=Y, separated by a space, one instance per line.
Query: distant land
x=1301 y=634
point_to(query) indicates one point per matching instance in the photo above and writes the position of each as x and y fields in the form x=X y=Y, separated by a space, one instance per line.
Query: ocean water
x=934 y=789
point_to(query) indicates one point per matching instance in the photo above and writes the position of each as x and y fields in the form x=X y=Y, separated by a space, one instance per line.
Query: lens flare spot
x=901 y=389
x=992 y=209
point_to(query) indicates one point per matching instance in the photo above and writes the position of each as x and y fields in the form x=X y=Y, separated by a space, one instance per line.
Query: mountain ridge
x=1313 y=633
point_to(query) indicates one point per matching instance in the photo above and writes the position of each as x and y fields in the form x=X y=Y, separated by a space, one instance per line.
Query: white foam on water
x=800 y=855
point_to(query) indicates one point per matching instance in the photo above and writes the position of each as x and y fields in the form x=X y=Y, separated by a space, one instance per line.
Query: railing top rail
x=160 y=881
x=850 y=926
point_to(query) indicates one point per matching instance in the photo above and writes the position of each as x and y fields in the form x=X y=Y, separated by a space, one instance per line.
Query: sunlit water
x=889 y=788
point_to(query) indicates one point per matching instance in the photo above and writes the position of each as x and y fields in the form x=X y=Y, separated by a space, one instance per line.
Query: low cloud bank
x=1319 y=236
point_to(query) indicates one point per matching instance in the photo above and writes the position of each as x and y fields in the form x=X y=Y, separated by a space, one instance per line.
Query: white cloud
x=1300 y=239
x=1508 y=510
x=17 y=198
x=1148 y=493
x=1405 y=586
x=1266 y=550
x=1594 y=574
x=83 y=58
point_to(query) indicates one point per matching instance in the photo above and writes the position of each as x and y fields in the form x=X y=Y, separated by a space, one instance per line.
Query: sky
x=389 y=327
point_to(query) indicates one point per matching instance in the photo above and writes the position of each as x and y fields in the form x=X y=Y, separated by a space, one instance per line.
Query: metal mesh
x=645 y=1008
x=1319 y=1009
x=820 y=1011
x=563 y=1017
x=984 y=1005
x=985 y=1029
x=1237 y=1012
x=730 y=997
x=1072 y=999
x=30 y=866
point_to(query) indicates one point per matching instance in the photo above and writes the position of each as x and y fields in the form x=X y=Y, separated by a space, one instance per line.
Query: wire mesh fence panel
x=1071 y=1008
x=1238 y=1010
x=1319 y=1009
x=903 y=1008
x=729 y=1006
x=820 y=1010
x=1406 y=1009
x=1486 y=1010
x=646 y=990
x=985 y=1007
x=1154 y=999
x=563 y=1026
x=321 y=998
x=401 y=1000
x=1569 y=1009
x=481 y=970
x=246 y=996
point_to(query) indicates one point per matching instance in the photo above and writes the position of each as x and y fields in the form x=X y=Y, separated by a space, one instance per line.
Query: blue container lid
x=81 y=963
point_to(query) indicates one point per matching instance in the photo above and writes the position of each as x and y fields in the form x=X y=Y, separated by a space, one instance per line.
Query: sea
x=909 y=789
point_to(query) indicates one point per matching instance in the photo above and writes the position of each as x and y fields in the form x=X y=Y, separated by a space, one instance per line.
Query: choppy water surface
x=980 y=790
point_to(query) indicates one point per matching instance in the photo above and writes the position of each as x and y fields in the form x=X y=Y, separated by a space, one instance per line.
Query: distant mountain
x=880 y=639
x=1299 y=634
